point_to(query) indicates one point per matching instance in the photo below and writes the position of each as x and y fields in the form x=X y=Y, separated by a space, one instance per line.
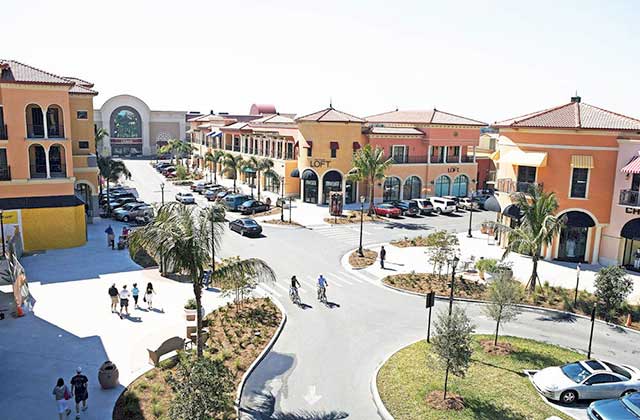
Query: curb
x=261 y=356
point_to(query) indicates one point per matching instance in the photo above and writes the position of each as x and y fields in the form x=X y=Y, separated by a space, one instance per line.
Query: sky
x=484 y=59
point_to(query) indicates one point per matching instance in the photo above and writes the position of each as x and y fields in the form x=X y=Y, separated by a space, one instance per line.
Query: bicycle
x=322 y=294
x=294 y=296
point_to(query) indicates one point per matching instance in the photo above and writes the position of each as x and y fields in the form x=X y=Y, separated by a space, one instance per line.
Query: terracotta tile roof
x=237 y=126
x=406 y=131
x=17 y=72
x=574 y=115
x=274 y=119
x=83 y=90
x=78 y=81
x=434 y=116
x=330 y=115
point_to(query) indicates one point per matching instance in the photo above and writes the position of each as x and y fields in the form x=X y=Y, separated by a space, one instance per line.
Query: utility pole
x=360 y=251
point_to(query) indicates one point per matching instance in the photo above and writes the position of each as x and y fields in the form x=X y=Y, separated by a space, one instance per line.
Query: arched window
x=126 y=123
x=37 y=161
x=57 y=166
x=55 y=122
x=412 y=188
x=331 y=181
x=391 y=189
x=460 y=186
x=443 y=183
x=310 y=186
x=34 y=118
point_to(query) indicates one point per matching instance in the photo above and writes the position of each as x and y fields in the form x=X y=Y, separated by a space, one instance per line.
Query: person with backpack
x=113 y=292
x=62 y=395
x=79 y=389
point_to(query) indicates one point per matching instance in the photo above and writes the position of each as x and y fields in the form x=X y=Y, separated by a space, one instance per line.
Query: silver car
x=586 y=380
x=130 y=211
x=185 y=198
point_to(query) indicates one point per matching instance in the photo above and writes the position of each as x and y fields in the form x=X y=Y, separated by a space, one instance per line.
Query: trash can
x=108 y=375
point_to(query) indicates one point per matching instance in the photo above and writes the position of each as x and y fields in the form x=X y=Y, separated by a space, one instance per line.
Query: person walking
x=383 y=256
x=124 y=300
x=111 y=237
x=148 y=295
x=62 y=394
x=113 y=292
x=79 y=385
x=135 y=292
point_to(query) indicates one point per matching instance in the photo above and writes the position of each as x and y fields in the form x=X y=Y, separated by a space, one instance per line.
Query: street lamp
x=162 y=191
x=161 y=251
x=470 y=219
x=361 y=223
x=454 y=264
x=282 y=199
x=4 y=255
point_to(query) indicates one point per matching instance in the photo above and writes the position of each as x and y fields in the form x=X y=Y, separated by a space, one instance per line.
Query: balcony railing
x=630 y=198
x=410 y=159
x=38 y=171
x=4 y=133
x=35 y=131
x=509 y=185
x=5 y=173
x=437 y=159
x=467 y=159
x=56 y=132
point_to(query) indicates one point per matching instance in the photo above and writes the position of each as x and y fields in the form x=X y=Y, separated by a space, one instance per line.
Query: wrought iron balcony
x=410 y=159
x=629 y=198
x=35 y=131
x=5 y=173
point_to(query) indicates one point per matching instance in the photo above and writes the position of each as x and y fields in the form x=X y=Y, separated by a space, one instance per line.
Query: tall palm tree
x=262 y=167
x=538 y=226
x=112 y=170
x=177 y=148
x=231 y=164
x=101 y=133
x=188 y=237
x=214 y=158
x=369 y=164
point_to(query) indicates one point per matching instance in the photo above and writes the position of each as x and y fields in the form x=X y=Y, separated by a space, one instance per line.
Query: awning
x=334 y=145
x=632 y=167
x=249 y=171
x=215 y=134
x=631 y=229
x=309 y=144
x=356 y=145
x=513 y=211
x=295 y=173
x=520 y=158
x=492 y=204
x=578 y=219
x=582 y=161
x=495 y=155
x=309 y=174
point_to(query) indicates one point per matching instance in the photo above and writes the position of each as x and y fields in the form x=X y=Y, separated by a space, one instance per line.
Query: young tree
x=202 y=389
x=612 y=288
x=442 y=246
x=111 y=170
x=452 y=343
x=231 y=164
x=537 y=227
x=214 y=158
x=369 y=165
x=504 y=294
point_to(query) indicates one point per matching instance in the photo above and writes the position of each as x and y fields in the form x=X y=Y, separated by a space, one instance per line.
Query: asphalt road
x=322 y=364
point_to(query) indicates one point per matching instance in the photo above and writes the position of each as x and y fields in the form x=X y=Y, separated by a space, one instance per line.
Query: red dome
x=262 y=109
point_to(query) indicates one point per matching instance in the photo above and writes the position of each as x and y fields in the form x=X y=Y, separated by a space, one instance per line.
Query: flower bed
x=357 y=261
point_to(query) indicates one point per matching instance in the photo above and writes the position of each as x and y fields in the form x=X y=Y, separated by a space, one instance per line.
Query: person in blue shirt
x=322 y=287
x=135 y=292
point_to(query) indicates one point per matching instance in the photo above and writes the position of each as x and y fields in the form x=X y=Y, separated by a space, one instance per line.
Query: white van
x=442 y=205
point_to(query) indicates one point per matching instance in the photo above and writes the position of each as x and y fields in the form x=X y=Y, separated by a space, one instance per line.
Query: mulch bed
x=351 y=218
x=357 y=261
x=280 y=222
x=435 y=399
x=501 y=349
x=409 y=242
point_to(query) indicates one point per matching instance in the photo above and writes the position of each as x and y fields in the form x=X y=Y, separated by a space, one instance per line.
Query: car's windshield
x=249 y=222
x=632 y=402
x=618 y=369
x=576 y=372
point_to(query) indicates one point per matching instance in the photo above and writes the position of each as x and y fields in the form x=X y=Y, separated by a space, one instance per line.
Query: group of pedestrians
x=123 y=295
x=79 y=391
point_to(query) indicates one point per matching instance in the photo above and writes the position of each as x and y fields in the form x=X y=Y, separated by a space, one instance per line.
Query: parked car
x=442 y=205
x=162 y=165
x=185 y=198
x=407 y=207
x=424 y=204
x=167 y=169
x=171 y=174
x=131 y=211
x=201 y=186
x=387 y=210
x=119 y=202
x=233 y=201
x=586 y=380
x=252 y=206
x=625 y=408
x=246 y=226
x=222 y=194
x=468 y=203
x=115 y=195
x=481 y=199
x=211 y=193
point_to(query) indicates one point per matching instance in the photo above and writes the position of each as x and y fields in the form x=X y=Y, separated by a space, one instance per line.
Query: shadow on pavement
x=407 y=226
x=332 y=305
x=558 y=317
x=265 y=409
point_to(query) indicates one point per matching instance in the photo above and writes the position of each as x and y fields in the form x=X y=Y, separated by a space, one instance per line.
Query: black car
x=253 y=206
x=408 y=207
x=248 y=227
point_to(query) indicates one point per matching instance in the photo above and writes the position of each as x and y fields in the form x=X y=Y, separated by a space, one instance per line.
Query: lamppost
x=361 y=223
x=454 y=264
x=575 y=297
x=213 y=245
x=161 y=253
x=162 y=191
x=2 y=230
x=282 y=199
x=470 y=219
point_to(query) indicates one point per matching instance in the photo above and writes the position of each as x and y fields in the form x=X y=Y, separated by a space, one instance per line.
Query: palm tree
x=538 y=226
x=262 y=167
x=369 y=165
x=188 y=237
x=214 y=158
x=177 y=148
x=111 y=170
x=101 y=133
x=231 y=164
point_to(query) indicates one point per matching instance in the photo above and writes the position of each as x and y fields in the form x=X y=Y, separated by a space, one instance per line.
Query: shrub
x=181 y=172
x=612 y=288
x=191 y=304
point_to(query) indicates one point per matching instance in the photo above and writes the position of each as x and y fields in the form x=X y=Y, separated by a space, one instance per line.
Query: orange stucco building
x=48 y=168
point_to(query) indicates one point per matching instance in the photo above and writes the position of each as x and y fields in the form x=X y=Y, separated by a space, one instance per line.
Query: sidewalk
x=556 y=273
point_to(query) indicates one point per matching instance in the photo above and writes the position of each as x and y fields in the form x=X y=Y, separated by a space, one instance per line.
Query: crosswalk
x=340 y=233
x=280 y=288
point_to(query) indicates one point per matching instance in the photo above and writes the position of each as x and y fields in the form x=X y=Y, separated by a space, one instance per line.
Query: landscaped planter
x=190 y=314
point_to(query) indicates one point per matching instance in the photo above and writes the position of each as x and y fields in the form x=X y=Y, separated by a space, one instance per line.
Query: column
x=459 y=154
x=46 y=156
x=46 y=132
x=446 y=154
x=596 y=245
x=474 y=154
x=429 y=153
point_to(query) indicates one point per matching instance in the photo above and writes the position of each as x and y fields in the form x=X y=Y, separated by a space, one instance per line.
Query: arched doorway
x=37 y=161
x=391 y=189
x=310 y=186
x=412 y=188
x=573 y=236
x=460 y=186
x=350 y=191
x=442 y=183
x=126 y=131
x=57 y=165
x=631 y=254
x=83 y=192
x=331 y=181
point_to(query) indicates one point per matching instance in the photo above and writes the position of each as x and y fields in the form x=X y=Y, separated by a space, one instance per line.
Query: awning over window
x=309 y=174
x=356 y=145
x=334 y=145
x=578 y=219
x=632 y=167
x=215 y=134
x=309 y=144
x=520 y=158
x=492 y=204
x=295 y=173
x=582 y=161
x=631 y=230
x=513 y=211
x=249 y=171
x=495 y=155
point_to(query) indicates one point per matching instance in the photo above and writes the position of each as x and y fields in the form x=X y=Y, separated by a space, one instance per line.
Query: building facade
x=48 y=166
x=134 y=129
x=571 y=150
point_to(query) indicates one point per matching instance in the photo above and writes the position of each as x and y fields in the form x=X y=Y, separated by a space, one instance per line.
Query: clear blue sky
x=484 y=59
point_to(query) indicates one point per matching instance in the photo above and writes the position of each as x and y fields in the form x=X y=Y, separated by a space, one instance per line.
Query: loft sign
x=453 y=169
x=319 y=163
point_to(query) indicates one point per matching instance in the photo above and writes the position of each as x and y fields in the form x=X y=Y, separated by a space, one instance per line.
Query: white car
x=586 y=380
x=424 y=204
x=443 y=205
x=185 y=198
x=468 y=203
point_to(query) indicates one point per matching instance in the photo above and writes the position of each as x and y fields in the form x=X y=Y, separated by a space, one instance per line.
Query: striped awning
x=632 y=167
x=495 y=155
x=521 y=158
x=582 y=161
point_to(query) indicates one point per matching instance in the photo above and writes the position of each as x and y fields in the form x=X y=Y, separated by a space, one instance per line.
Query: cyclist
x=322 y=288
x=293 y=291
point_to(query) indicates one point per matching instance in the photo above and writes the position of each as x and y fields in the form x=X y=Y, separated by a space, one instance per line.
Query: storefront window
x=350 y=191
x=573 y=243
x=332 y=181
x=310 y=186
x=412 y=188
x=443 y=183
x=460 y=186
x=391 y=189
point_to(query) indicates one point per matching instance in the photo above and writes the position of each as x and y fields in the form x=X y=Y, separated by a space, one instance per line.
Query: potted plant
x=485 y=265
x=190 y=310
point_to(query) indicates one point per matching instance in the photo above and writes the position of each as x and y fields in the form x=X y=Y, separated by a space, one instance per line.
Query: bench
x=170 y=345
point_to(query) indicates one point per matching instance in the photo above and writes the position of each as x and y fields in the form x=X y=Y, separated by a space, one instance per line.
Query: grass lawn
x=494 y=388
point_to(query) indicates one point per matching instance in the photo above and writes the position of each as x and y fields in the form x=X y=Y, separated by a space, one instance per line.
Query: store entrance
x=631 y=255
x=573 y=244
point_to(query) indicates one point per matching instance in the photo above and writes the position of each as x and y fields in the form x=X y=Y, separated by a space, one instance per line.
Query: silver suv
x=132 y=210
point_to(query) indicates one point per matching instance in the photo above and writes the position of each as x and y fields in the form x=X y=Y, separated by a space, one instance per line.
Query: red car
x=387 y=210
